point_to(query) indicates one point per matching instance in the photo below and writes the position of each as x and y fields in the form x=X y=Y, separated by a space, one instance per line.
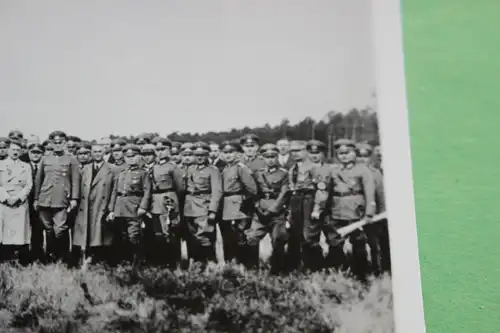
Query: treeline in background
x=358 y=125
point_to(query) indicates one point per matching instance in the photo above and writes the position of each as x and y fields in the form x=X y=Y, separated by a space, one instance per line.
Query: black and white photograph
x=199 y=166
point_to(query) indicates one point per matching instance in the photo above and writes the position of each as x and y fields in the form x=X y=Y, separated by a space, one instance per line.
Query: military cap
x=33 y=139
x=161 y=141
x=175 y=149
x=36 y=148
x=315 y=146
x=297 y=145
x=16 y=134
x=74 y=138
x=148 y=149
x=17 y=143
x=118 y=144
x=269 y=149
x=4 y=141
x=344 y=142
x=230 y=146
x=176 y=144
x=85 y=146
x=131 y=150
x=200 y=151
x=249 y=139
x=55 y=134
x=187 y=146
x=364 y=149
x=202 y=145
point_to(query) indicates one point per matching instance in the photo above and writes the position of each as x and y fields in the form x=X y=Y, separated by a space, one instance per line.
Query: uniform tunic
x=57 y=181
x=167 y=182
x=15 y=182
x=239 y=186
x=254 y=163
x=131 y=191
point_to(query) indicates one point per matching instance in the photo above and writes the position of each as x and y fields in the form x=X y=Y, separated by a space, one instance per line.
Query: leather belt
x=346 y=194
x=130 y=194
x=158 y=191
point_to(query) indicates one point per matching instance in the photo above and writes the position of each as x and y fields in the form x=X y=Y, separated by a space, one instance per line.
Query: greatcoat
x=15 y=182
x=91 y=228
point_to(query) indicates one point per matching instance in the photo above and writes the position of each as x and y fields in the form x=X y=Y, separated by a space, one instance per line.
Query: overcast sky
x=97 y=67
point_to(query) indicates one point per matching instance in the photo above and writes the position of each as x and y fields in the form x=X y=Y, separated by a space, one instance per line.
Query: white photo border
x=395 y=144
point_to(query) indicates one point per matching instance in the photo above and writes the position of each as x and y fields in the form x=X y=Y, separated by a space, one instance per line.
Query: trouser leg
x=229 y=244
x=294 y=253
x=312 y=252
x=278 y=239
x=61 y=234
x=336 y=257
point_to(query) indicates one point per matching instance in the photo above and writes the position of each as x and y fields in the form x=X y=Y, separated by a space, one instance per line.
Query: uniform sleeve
x=23 y=194
x=178 y=177
x=114 y=192
x=75 y=179
x=248 y=180
x=147 y=188
x=369 y=190
x=379 y=192
x=280 y=201
x=39 y=179
x=216 y=188
x=3 y=193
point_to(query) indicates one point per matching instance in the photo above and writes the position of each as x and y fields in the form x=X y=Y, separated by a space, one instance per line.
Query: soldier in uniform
x=4 y=148
x=72 y=145
x=129 y=202
x=378 y=234
x=57 y=191
x=148 y=152
x=307 y=203
x=48 y=149
x=269 y=218
x=15 y=187
x=168 y=187
x=239 y=195
x=83 y=154
x=353 y=198
x=250 y=145
x=35 y=152
x=118 y=158
x=203 y=196
x=175 y=153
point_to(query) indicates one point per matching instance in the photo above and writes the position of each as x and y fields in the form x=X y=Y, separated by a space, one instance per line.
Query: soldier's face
x=149 y=158
x=118 y=155
x=283 y=146
x=250 y=150
x=98 y=153
x=214 y=151
x=4 y=150
x=83 y=156
x=188 y=158
x=346 y=155
x=363 y=159
x=298 y=155
x=14 y=151
x=132 y=160
x=71 y=147
x=48 y=151
x=163 y=152
x=271 y=160
x=201 y=159
x=316 y=157
x=35 y=156
x=58 y=144
x=176 y=158
x=230 y=156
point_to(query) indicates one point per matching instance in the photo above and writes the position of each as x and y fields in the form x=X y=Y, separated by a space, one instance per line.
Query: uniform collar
x=348 y=166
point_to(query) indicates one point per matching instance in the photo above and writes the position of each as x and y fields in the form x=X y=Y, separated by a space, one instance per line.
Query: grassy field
x=221 y=298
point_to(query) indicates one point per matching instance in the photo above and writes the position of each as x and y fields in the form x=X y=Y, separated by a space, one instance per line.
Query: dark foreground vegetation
x=219 y=299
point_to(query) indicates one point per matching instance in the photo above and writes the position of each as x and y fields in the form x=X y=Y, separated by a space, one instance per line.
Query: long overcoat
x=15 y=182
x=91 y=228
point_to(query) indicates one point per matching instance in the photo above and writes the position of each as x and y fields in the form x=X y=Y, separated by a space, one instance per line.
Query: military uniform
x=36 y=224
x=168 y=187
x=254 y=162
x=307 y=198
x=57 y=183
x=203 y=196
x=131 y=193
x=353 y=197
x=239 y=189
x=270 y=213
x=184 y=162
x=175 y=153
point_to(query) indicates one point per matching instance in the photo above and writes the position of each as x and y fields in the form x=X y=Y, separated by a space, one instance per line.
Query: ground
x=222 y=298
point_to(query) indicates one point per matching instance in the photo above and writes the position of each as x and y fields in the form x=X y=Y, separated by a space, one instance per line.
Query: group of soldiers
x=137 y=201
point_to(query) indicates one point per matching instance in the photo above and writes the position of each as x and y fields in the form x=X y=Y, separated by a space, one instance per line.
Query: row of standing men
x=136 y=202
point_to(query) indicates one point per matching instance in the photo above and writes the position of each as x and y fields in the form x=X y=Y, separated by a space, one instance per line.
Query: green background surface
x=453 y=73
